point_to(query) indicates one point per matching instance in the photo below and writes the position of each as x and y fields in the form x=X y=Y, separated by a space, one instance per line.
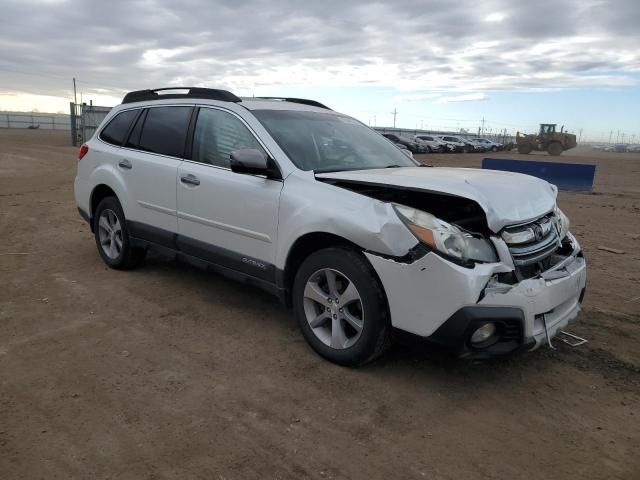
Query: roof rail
x=192 y=92
x=303 y=101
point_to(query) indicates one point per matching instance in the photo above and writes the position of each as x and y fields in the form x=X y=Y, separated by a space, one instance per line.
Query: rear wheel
x=341 y=307
x=554 y=148
x=525 y=148
x=112 y=236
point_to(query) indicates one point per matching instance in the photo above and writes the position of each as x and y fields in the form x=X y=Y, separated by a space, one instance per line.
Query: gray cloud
x=415 y=46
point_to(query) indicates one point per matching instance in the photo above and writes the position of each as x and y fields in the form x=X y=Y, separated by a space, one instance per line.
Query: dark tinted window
x=217 y=134
x=165 y=130
x=117 y=129
x=134 y=137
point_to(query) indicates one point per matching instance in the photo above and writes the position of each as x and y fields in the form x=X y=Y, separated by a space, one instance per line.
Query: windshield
x=326 y=142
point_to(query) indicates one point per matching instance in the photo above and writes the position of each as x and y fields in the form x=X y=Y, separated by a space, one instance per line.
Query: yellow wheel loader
x=547 y=139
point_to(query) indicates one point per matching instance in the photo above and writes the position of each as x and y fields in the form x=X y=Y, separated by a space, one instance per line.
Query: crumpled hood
x=507 y=198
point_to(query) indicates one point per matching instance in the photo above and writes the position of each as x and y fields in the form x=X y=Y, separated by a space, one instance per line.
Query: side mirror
x=253 y=162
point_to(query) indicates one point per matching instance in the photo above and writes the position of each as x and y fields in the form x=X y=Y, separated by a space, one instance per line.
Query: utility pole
x=75 y=98
x=618 y=137
x=395 y=112
x=610 y=133
x=482 y=130
x=580 y=136
x=622 y=139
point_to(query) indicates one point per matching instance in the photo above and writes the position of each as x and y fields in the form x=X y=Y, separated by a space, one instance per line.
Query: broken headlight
x=444 y=237
x=562 y=223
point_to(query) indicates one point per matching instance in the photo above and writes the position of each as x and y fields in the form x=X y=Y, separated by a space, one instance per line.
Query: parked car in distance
x=456 y=144
x=489 y=145
x=318 y=209
x=413 y=147
x=433 y=143
x=620 y=148
x=477 y=146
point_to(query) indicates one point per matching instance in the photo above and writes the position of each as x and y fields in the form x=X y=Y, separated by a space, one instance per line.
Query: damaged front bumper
x=435 y=298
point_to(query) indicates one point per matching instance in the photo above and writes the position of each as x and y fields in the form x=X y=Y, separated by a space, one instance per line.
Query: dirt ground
x=172 y=372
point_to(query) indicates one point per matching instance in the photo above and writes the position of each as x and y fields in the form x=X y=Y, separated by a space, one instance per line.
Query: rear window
x=117 y=129
x=165 y=130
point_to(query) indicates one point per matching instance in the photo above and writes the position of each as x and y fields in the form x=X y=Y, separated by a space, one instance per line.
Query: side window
x=117 y=129
x=165 y=130
x=134 y=138
x=217 y=134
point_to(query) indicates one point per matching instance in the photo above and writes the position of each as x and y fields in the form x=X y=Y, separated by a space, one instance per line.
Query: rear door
x=150 y=160
x=227 y=218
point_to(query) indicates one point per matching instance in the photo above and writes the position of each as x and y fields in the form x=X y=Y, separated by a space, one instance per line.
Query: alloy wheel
x=333 y=308
x=110 y=233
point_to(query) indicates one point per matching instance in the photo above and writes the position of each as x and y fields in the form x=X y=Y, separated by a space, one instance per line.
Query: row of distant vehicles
x=423 y=143
x=619 y=147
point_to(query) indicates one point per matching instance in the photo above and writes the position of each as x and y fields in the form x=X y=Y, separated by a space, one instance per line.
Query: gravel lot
x=172 y=372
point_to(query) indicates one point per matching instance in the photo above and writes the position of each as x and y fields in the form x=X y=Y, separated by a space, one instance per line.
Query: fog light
x=484 y=333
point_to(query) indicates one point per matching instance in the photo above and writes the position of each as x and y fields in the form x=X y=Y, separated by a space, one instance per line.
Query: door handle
x=190 y=180
x=126 y=164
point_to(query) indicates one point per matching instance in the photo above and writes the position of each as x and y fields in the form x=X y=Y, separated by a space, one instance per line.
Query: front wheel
x=525 y=148
x=341 y=307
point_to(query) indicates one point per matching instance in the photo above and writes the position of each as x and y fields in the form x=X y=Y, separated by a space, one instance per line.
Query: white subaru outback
x=320 y=210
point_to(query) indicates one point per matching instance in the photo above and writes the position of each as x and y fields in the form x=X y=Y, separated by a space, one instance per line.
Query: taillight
x=84 y=149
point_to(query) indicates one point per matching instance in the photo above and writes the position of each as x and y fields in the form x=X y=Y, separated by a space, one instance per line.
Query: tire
x=525 y=148
x=554 y=148
x=494 y=149
x=333 y=337
x=112 y=236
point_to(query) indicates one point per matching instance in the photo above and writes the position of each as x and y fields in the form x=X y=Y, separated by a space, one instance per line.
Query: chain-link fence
x=33 y=120
x=85 y=119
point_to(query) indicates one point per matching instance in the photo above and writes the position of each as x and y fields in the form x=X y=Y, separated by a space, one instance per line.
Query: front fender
x=308 y=206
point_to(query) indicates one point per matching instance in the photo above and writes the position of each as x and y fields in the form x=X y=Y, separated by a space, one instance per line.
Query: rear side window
x=165 y=130
x=217 y=134
x=134 y=136
x=117 y=129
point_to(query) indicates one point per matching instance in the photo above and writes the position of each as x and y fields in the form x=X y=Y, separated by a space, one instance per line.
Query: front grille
x=533 y=255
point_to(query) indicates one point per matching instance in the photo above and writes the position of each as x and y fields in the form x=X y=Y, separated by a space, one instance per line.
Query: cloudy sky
x=439 y=63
